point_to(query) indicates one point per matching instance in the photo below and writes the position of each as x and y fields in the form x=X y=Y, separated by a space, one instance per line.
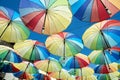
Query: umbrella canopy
x=11 y=27
x=41 y=77
x=62 y=74
x=45 y=16
x=50 y=65
x=104 y=70
x=8 y=54
x=92 y=77
x=32 y=50
x=101 y=57
x=26 y=67
x=7 y=67
x=110 y=76
x=77 y=61
x=86 y=71
x=64 y=44
x=22 y=75
x=115 y=51
x=26 y=70
x=95 y=10
x=102 y=35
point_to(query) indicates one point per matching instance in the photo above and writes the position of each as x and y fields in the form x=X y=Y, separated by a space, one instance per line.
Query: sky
x=76 y=27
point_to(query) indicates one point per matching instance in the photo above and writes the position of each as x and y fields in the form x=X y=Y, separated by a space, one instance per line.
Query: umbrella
x=110 y=76
x=41 y=77
x=62 y=74
x=77 y=61
x=86 y=71
x=49 y=65
x=102 y=35
x=26 y=70
x=101 y=57
x=8 y=54
x=64 y=44
x=11 y=27
x=45 y=16
x=95 y=10
x=91 y=77
x=32 y=50
x=7 y=67
x=103 y=68
x=115 y=51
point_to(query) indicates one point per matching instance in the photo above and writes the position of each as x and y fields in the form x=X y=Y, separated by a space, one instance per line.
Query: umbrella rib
x=44 y=21
x=64 y=49
x=48 y=66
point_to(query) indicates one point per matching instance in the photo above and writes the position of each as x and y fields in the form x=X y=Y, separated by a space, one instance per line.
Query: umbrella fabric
x=8 y=54
x=31 y=50
x=26 y=67
x=62 y=74
x=45 y=16
x=77 y=61
x=101 y=57
x=86 y=71
x=7 y=67
x=50 y=65
x=23 y=75
x=115 y=51
x=41 y=77
x=92 y=77
x=102 y=35
x=110 y=76
x=64 y=44
x=95 y=10
x=104 y=70
x=11 y=27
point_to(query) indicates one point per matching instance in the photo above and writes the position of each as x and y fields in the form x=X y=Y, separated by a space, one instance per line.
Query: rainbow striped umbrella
x=32 y=50
x=86 y=71
x=95 y=10
x=101 y=57
x=62 y=74
x=45 y=16
x=8 y=54
x=102 y=35
x=26 y=70
x=49 y=65
x=11 y=27
x=77 y=61
x=64 y=44
x=110 y=76
x=104 y=69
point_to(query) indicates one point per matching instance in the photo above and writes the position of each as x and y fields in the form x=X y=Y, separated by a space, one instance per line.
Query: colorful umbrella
x=32 y=50
x=101 y=57
x=41 y=77
x=26 y=70
x=95 y=10
x=104 y=70
x=11 y=27
x=110 y=76
x=45 y=16
x=62 y=74
x=86 y=71
x=115 y=51
x=50 y=65
x=7 y=67
x=102 y=35
x=64 y=44
x=8 y=54
x=91 y=77
x=77 y=61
